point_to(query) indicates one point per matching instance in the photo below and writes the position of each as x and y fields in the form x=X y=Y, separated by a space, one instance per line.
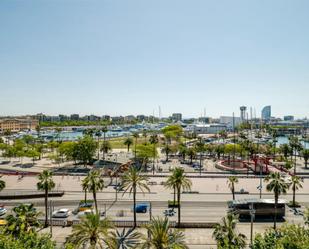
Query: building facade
x=177 y=116
x=230 y=122
x=18 y=124
x=266 y=113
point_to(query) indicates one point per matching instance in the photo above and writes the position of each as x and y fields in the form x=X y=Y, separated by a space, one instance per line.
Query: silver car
x=61 y=213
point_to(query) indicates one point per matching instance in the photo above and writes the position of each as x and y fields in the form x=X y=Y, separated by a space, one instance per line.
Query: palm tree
x=154 y=140
x=161 y=236
x=136 y=136
x=285 y=150
x=98 y=135
x=91 y=232
x=104 y=130
x=2 y=185
x=24 y=219
x=171 y=184
x=232 y=180
x=278 y=186
x=296 y=183
x=180 y=182
x=131 y=181
x=305 y=154
x=200 y=148
x=95 y=184
x=128 y=142
x=124 y=240
x=46 y=184
x=85 y=185
x=274 y=138
x=226 y=236
x=296 y=146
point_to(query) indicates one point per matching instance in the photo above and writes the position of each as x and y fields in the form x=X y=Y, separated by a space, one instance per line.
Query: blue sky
x=123 y=57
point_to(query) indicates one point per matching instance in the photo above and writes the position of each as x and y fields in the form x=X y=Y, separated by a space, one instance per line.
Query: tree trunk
x=134 y=206
x=46 y=212
x=135 y=148
x=104 y=138
x=275 y=217
x=294 y=190
x=200 y=164
x=95 y=201
x=174 y=195
x=233 y=191
x=178 y=200
x=85 y=195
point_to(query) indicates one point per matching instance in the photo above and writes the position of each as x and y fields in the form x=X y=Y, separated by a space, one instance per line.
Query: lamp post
x=252 y=214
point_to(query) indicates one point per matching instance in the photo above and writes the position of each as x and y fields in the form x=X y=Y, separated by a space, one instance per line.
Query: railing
x=7 y=195
x=122 y=223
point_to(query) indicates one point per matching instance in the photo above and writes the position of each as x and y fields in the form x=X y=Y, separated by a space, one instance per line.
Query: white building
x=228 y=121
x=205 y=128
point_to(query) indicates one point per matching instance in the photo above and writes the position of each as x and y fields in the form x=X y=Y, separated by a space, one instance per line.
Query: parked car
x=61 y=213
x=84 y=213
x=141 y=208
x=2 y=211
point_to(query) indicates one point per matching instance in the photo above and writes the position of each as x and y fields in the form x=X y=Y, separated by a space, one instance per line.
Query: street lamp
x=252 y=214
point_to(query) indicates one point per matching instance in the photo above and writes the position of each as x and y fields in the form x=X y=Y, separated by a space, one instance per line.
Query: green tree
x=296 y=183
x=32 y=153
x=226 y=235
x=23 y=220
x=66 y=149
x=162 y=237
x=25 y=240
x=180 y=182
x=95 y=184
x=278 y=186
x=288 y=236
x=191 y=152
x=232 y=180
x=167 y=150
x=85 y=149
x=91 y=232
x=183 y=150
x=106 y=147
x=131 y=181
x=172 y=132
x=124 y=239
x=286 y=150
x=145 y=152
x=46 y=184
x=128 y=142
